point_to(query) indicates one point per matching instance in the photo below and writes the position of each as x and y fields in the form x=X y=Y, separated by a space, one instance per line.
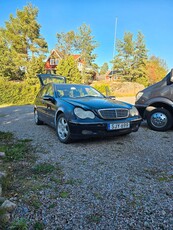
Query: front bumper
x=141 y=109
x=99 y=129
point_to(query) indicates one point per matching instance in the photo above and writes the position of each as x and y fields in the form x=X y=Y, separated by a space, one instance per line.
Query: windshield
x=76 y=91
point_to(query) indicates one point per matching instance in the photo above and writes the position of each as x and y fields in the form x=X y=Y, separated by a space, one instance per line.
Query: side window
x=43 y=92
x=49 y=91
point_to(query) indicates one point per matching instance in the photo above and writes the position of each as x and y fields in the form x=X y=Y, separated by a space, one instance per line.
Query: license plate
x=119 y=126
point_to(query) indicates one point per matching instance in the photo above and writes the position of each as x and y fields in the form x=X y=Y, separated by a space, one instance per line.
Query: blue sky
x=151 y=17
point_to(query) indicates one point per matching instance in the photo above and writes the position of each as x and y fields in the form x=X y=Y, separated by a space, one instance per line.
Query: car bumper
x=86 y=129
x=141 y=109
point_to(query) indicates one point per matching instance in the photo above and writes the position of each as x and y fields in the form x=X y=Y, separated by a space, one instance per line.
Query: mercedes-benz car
x=79 y=111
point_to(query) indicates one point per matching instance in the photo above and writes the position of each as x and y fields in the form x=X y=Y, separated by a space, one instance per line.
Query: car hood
x=97 y=103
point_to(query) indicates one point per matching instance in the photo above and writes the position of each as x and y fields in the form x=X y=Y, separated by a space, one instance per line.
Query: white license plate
x=119 y=126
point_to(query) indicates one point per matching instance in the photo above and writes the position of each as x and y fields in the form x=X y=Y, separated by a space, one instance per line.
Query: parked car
x=80 y=111
x=155 y=104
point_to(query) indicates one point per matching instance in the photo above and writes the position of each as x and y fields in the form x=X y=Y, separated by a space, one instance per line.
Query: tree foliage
x=104 y=68
x=81 y=42
x=156 y=69
x=21 y=42
x=67 y=67
x=130 y=61
x=86 y=44
x=66 y=44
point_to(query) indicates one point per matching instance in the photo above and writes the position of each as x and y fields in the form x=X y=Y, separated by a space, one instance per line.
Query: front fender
x=162 y=100
x=67 y=111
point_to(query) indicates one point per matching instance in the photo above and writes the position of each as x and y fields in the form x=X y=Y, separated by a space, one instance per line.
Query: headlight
x=83 y=114
x=134 y=111
x=139 y=95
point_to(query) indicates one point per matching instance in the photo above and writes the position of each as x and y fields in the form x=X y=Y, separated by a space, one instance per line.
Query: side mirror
x=111 y=97
x=171 y=76
x=49 y=98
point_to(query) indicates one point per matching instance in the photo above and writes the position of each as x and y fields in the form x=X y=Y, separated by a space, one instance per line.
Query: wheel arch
x=159 y=105
x=57 y=115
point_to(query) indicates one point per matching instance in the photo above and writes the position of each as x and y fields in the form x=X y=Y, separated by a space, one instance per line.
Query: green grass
x=34 y=201
x=3 y=115
x=165 y=178
x=26 y=178
x=43 y=168
x=38 y=226
x=19 y=224
x=6 y=136
x=94 y=218
x=64 y=194
x=15 y=150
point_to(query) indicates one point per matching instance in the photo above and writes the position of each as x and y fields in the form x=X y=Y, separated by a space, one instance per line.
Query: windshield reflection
x=76 y=91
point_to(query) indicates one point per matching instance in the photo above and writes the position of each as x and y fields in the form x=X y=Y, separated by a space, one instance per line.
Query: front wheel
x=62 y=129
x=159 y=119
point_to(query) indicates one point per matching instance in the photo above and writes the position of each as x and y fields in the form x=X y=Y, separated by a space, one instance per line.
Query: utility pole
x=114 y=45
x=115 y=37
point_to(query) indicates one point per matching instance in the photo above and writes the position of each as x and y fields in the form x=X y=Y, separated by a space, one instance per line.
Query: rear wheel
x=36 y=118
x=159 y=119
x=62 y=129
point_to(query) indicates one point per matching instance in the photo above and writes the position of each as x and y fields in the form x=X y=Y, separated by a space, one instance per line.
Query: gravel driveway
x=118 y=183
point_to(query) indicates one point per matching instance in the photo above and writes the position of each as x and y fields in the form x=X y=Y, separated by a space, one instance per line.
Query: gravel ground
x=116 y=183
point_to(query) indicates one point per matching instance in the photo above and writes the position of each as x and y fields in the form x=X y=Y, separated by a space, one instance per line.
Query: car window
x=50 y=91
x=43 y=91
x=47 y=78
x=75 y=91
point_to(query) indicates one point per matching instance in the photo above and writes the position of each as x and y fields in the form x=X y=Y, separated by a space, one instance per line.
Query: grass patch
x=52 y=205
x=6 y=136
x=38 y=226
x=3 y=115
x=94 y=218
x=19 y=224
x=43 y=168
x=2 y=211
x=27 y=180
x=15 y=150
x=165 y=178
x=64 y=194
x=34 y=201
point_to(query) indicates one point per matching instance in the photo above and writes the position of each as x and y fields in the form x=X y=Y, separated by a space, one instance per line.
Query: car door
x=41 y=104
x=50 y=102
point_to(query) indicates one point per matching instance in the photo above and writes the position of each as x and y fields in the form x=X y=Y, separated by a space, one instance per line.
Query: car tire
x=159 y=119
x=62 y=129
x=37 y=119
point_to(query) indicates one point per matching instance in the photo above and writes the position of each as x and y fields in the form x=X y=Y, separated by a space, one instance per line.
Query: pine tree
x=131 y=58
x=123 y=61
x=85 y=44
x=140 y=60
x=104 y=68
x=23 y=41
x=81 y=42
x=66 y=43
x=67 y=67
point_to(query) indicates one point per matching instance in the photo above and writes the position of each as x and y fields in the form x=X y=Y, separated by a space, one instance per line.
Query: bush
x=102 y=87
x=118 y=89
x=17 y=93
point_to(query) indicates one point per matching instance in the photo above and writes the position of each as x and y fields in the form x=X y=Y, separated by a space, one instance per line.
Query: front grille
x=113 y=113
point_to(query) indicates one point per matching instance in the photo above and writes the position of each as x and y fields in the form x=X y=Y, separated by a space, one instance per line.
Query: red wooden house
x=54 y=58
